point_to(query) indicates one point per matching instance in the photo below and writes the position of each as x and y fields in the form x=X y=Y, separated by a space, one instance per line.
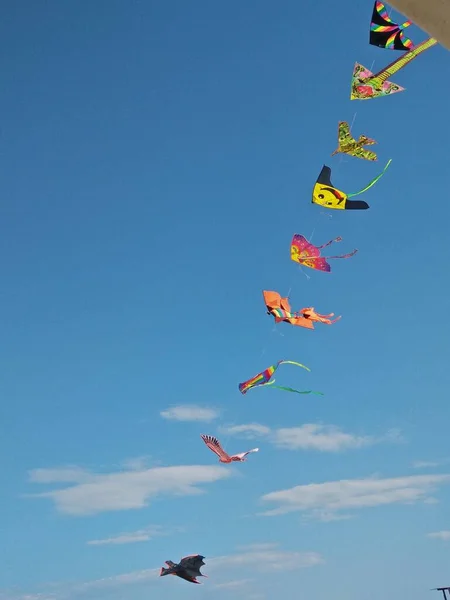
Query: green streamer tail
x=373 y=182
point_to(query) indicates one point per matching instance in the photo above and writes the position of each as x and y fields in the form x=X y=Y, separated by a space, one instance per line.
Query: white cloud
x=259 y=557
x=440 y=535
x=329 y=498
x=138 y=463
x=429 y=464
x=268 y=557
x=250 y=430
x=142 y=535
x=325 y=438
x=145 y=575
x=237 y=583
x=94 y=493
x=190 y=412
x=312 y=436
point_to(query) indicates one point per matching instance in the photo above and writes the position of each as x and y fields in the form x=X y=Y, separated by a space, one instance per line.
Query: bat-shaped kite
x=188 y=568
x=305 y=253
x=214 y=445
x=367 y=85
x=347 y=144
x=326 y=195
x=263 y=379
x=384 y=33
x=280 y=309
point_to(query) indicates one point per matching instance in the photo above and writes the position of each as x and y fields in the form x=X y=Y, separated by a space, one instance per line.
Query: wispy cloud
x=258 y=557
x=329 y=498
x=268 y=557
x=429 y=464
x=312 y=436
x=93 y=493
x=251 y=430
x=237 y=583
x=141 y=535
x=440 y=535
x=190 y=412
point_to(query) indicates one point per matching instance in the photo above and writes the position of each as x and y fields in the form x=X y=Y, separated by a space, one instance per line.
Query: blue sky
x=156 y=159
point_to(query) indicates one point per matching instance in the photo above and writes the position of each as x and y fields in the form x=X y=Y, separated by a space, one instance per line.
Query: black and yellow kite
x=326 y=195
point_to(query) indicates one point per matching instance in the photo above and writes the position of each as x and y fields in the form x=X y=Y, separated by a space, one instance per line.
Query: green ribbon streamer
x=373 y=182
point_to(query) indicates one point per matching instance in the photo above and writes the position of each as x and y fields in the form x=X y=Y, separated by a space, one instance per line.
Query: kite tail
x=289 y=389
x=343 y=255
x=401 y=62
x=291 y=362
x=373 y=182
x=338 y=239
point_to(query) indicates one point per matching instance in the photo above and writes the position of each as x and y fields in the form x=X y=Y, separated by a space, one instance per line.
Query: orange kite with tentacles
x=280 y=309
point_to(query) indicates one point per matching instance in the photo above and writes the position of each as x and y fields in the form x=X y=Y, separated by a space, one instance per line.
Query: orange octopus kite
x=280 y=309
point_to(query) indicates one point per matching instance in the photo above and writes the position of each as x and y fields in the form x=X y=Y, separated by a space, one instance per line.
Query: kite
x=263 y=379
x=188 y=568
x=280 y=309
x=214 y=445
x=366 y=85
x=347 y=144
x=305 y=253
x=325 y=194
x=384 y=33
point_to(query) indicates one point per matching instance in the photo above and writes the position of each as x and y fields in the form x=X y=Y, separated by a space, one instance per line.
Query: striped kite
x=263 y=379
x=385 y=33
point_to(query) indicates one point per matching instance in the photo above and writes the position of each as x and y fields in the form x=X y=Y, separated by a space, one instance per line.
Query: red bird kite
x=214 y=445
x=280 y=309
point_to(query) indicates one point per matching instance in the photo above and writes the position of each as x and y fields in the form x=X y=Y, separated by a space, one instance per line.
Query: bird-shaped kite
x=214 y=445
x=188 y=568
x=347 y=144
x=326 y=195
x=385 y=33
x=263 y=379
x=305 y=253
x=366 y=85
x=280 y=309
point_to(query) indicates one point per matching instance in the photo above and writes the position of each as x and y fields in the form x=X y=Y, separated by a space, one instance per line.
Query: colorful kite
x=347 y=144
x=188 y=568
x=325 y=194
x=280 y=309
x=214 y=445
x=366 y=85
x=384 y=33
x=305 y=253
x=263 y=379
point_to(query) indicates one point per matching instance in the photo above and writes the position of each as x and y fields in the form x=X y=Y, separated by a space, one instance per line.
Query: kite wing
x=347 y=144
x=189 y=568
x=276 y=305
x=384 y=33
x=241 y=457
x=280 y=309
x=191 y=565
x=303 y=252
x=366 y=85
x=214 y=445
